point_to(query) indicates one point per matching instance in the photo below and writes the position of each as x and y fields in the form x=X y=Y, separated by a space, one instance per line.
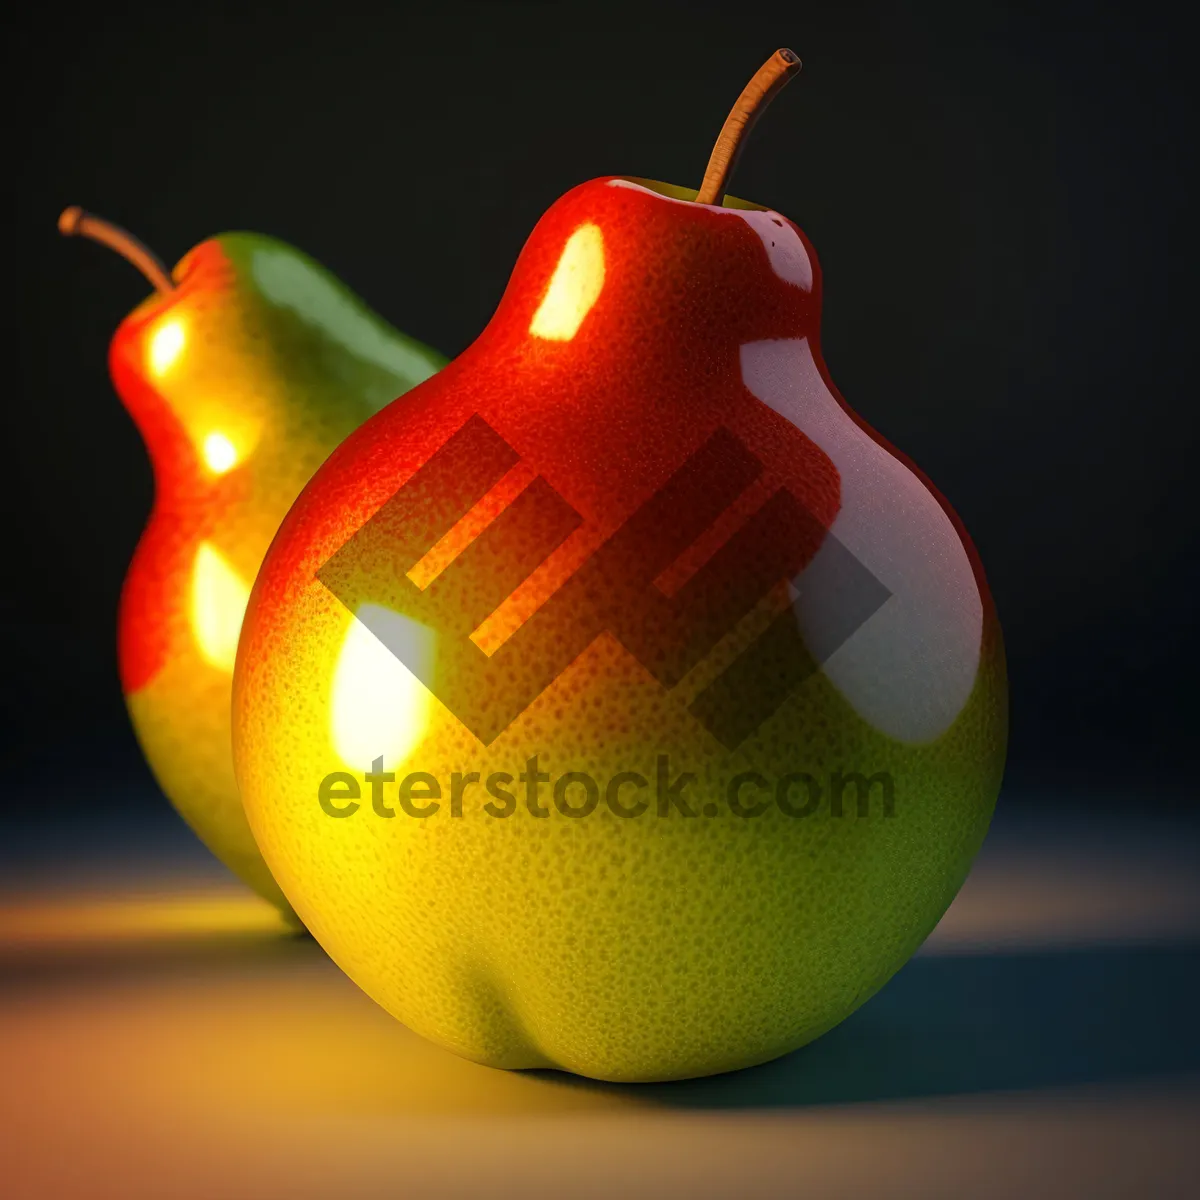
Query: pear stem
x=74 y=221
x=768 y=81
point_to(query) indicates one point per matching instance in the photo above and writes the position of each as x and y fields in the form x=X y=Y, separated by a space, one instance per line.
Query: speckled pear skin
x=266 y=349
x=663 y=946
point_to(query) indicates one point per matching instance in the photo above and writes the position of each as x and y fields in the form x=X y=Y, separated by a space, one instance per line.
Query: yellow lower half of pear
x=181 y=719
x=645 y=948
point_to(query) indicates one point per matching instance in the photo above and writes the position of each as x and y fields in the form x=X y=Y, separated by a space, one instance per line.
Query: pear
x=619 y=701
x=243 y=370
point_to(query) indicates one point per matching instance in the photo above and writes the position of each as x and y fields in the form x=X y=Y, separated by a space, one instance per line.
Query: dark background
x=996 y=192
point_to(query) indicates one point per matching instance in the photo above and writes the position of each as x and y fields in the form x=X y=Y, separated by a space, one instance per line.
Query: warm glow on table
x=59 y=924
x=175 y=1040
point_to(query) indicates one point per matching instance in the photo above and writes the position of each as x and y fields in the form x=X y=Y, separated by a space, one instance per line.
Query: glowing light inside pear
x=165 y=346
x=219 y=597
x=379 y=708
x=574 y=286
x=219 y=452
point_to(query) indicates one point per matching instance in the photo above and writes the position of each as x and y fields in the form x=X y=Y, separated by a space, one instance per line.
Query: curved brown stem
x=759 y=92
x=75 y=222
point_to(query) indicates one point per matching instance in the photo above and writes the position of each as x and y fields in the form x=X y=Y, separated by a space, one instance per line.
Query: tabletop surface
x=162 y=1036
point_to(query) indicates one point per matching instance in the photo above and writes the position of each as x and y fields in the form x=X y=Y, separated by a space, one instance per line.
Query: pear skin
x=619 y=701
x=244 y=369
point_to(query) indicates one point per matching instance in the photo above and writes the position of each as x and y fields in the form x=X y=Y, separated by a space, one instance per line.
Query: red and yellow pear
x=242 y=370
x=620 y=701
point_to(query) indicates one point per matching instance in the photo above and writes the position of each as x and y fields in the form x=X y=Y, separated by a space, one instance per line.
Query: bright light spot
x=165 y=346
x=219 y=452
x=574 y=286
x=219 y=598
x=87 y=919
x=380 y=709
